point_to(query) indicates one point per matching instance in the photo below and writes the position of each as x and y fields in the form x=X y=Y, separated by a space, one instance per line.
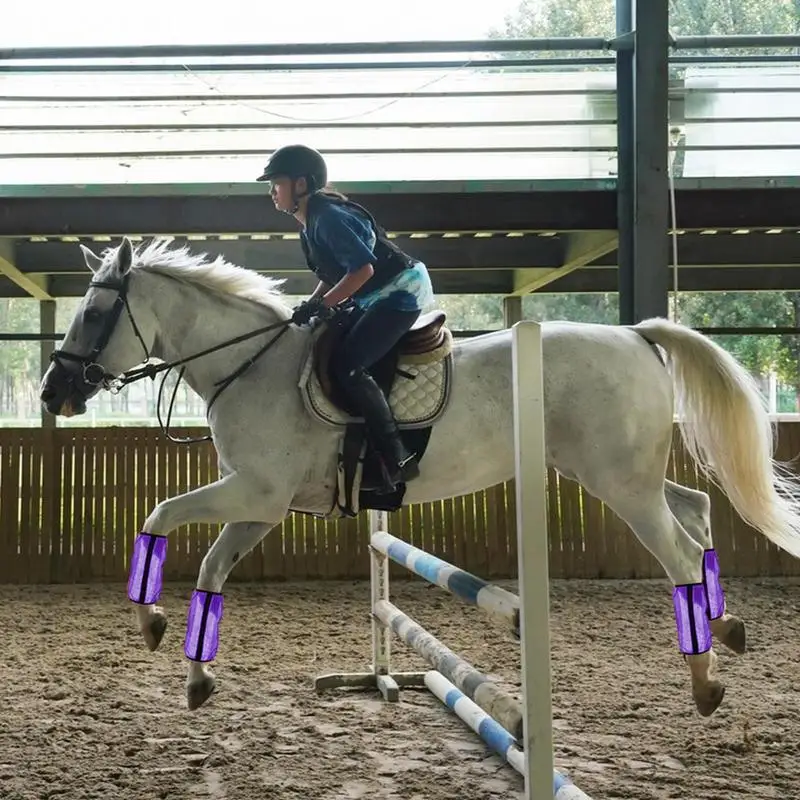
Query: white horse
x=609 y=405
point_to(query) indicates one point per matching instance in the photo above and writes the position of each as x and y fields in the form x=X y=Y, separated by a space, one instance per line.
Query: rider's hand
x=308 y=309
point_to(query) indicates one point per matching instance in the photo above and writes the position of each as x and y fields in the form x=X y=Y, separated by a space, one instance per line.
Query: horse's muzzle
x=62 y=406
x=59 y=394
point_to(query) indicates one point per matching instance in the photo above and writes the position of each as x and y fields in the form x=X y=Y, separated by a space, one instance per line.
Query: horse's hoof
x=732 y=634
x=154 y=632
x=709 y=700
x=197 y=693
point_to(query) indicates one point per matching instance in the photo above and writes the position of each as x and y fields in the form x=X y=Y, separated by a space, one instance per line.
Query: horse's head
x=104 y=338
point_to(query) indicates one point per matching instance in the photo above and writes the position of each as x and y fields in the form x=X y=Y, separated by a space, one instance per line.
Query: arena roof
x=502 y=179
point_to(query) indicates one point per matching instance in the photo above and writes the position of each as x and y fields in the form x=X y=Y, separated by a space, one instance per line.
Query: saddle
x=415 y=376
x=424 y=339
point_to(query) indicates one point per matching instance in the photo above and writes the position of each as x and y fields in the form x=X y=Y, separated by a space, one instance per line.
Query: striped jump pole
x=475 y=685
x=466 y=586
x=494 y=735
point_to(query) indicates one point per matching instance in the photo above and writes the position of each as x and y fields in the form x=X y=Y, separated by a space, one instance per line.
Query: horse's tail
x=727 y=430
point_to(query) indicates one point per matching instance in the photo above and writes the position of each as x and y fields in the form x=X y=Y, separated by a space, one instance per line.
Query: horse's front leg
x=230 y=499
x=202 y=636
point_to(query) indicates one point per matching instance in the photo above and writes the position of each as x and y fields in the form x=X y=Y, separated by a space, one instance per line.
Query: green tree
x=535 y=19
x=472 y=312
x=556 y=18
x=573 y=307
x=728 y=17
x=19 y=361
x=789 y=357
x=760 y=354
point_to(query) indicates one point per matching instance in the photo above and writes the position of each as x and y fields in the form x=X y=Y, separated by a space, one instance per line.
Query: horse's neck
x=192 y=319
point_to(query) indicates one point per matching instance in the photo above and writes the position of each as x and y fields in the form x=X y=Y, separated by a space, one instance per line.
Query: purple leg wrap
x=147 y=562
x=691 y=617
x=202 y=629
x=714 y=594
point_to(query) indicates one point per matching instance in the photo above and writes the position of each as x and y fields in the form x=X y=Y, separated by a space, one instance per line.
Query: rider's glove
x=308 y=309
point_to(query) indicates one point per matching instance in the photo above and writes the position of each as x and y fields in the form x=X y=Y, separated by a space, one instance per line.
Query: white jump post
x=533 y=573
x=381 y=677
x=519 y=733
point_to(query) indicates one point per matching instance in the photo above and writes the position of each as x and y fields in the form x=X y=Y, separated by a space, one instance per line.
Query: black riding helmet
x=297 y=161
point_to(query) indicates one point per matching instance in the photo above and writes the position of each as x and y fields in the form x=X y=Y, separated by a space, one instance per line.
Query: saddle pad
x=418 y=397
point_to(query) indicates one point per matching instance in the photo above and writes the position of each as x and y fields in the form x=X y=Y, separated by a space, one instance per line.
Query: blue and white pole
x=493 y=734
x=486 y=694
x=468 y=587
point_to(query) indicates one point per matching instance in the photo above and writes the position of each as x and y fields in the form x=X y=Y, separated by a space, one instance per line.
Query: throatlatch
x=691 y=618
x=145 y=577
x=202 y=627
x=715 y=597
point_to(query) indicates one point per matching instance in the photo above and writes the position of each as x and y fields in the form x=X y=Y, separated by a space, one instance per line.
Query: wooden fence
x=72 y=500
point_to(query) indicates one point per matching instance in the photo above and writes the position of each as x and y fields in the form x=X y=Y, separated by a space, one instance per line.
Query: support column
x=512 y=310
x=651 y=219
x=626 y=188
x=47 y=325
x=644 y=186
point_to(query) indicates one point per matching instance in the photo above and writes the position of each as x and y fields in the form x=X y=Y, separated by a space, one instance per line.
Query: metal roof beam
x=724 y=249
x=277 y=256
x=444 y=282
x=584 y=280
x=580 y=248
x=466 y=252
x=36 y=287
x=433 y=212
x=751 y=206
x=698 y=279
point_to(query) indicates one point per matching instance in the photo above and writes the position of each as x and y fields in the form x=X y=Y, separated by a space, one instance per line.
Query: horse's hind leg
x=657 y=528
x=693 y=509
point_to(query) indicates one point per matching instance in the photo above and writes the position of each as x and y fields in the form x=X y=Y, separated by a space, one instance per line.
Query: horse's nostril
x=47 y=394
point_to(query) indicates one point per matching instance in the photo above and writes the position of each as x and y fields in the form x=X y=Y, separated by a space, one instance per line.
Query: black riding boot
x=401 y=466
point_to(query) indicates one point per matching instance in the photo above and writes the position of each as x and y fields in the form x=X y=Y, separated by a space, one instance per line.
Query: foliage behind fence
x=72 y=500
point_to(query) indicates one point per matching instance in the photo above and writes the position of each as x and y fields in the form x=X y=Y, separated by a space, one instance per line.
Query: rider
x=354 y=260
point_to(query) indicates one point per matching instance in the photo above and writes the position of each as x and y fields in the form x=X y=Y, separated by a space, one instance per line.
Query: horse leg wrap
x=147 y=563
x=202 y=628
x=691 y=618
x=714 y=594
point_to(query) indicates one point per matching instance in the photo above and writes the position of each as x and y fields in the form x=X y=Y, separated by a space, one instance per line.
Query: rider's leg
x=377 y=330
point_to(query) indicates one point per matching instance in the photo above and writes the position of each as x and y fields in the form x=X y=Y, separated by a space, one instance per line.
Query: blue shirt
x=349 y=235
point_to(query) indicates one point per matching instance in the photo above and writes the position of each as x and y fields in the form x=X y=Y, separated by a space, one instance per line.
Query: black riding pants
x=375 y=332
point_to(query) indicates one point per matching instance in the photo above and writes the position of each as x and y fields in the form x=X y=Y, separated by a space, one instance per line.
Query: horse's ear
x=92 y=261
x=125 y=256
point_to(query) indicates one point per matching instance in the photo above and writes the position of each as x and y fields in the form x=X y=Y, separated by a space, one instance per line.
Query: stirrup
x=409 y=468
x=406 y=471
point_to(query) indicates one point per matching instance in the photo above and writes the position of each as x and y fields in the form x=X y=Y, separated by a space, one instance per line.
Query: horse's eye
x=92 y=315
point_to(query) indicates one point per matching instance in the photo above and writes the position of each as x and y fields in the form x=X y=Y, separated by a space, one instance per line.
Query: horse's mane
x=217 y=275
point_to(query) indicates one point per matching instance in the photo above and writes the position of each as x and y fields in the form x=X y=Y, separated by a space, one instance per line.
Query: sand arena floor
x=88 y=712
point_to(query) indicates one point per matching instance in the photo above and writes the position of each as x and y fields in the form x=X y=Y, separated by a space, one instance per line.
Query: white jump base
x=520 y=733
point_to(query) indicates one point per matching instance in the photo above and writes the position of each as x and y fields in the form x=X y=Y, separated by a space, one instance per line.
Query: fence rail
x=72 y=499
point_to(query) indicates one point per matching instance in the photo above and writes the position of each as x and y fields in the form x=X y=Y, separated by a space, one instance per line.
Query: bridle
x=94 y=375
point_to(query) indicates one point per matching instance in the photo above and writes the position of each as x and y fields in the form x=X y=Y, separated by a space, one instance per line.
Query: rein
x=151 y=370
x=94 y=375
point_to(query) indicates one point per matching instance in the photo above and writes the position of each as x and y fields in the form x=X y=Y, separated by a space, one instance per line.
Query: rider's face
x=281 y=192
